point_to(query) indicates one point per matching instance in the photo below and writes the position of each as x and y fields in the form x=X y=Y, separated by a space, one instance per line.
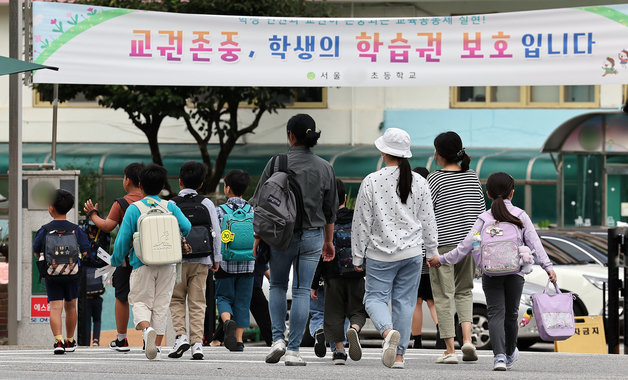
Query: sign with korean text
x=100 y=45
x=40 y=309
x=589 y=337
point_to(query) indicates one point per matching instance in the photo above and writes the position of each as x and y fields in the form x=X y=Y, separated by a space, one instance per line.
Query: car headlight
x=526 y=299
x=598 y=282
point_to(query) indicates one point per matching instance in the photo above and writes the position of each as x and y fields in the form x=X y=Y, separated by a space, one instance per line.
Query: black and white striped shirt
x=458 y=200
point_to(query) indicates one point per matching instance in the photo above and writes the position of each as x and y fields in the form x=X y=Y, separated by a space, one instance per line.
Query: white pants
x=150 y=293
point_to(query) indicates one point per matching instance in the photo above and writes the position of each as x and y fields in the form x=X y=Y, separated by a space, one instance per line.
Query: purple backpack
x=499 y=249
x=554 y=314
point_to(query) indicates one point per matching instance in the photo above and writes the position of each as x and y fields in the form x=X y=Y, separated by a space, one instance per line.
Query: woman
x=458 y=200
x=393 y=218
x=316 y=180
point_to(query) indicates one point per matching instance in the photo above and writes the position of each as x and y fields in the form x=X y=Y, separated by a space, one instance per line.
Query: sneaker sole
x=398 y=366
x=70 y=349
x=230 y=335
x=120 y=349
x=319 y=348
x=274 y=356
x=296 y=364
x=389 y=354
x=59 y=352
x=198 y=356
x=469 y=354
x=499 y=368
x=151 y=348
x=179 y=352
x=339 y=362
x=355 y=349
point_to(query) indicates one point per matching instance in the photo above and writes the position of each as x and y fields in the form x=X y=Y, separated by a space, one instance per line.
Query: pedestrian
x=344 y=288
x=502 y=292
x=259 y=303
x=393 y=219
x=204 y=254
x=458 y=200
x=150 y=286
x=53 y=240
x=315 y=178
x=121 y=275
x=424 y=293
x=234 y=278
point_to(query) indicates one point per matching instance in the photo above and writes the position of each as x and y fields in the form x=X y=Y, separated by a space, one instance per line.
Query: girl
x=393 y=218
x=458 y=200
x=502 y=292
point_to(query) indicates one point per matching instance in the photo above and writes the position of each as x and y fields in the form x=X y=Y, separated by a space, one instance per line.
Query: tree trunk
x=220 y=163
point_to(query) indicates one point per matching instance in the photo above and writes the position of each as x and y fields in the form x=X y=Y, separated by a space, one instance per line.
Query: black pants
x=209 y=325
x=259 y=309
x=93 y=311
x=343 y=299
x=503 y=295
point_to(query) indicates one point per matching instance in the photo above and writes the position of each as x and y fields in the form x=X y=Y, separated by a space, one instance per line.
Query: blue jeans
x=397 y=282
x=233 y=296
x=302 y=256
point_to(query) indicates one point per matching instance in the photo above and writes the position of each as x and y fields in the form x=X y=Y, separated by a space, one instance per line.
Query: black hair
x=238 y=181
x=62 y=201
x=499 y=186
x=132 y=172
x=341 y=190
x=404 y=184
x=303 y=127
x=192 y=174
x=153 y=179
x=448 y=145
x=422 y=171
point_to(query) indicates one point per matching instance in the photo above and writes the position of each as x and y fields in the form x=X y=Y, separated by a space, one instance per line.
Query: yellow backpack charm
x=226 y=236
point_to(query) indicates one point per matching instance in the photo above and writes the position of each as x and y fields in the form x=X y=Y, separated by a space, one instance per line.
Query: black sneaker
x=230 y=335
x=59 y=347
x=120 y=345
x=339 y=357
x=319 y=343
x=70 y=346
x=239 y=347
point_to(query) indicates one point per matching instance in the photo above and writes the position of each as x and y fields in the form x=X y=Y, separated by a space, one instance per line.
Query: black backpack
x=93 y=284
x=201 y=236
x=342 y=245
x=61 y=255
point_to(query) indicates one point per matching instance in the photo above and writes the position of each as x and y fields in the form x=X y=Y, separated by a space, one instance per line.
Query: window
x=79 y=101
x=307 y=97
x=525 y=97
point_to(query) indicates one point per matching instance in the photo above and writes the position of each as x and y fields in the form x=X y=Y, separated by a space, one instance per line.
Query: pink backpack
x=499 y=247
x=554 y=314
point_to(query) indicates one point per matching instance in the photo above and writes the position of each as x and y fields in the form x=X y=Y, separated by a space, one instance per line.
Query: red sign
x=40 y=307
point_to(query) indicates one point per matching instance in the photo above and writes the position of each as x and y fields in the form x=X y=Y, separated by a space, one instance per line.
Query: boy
x=234 y=279
x=120 y=279
x=344 y=288
x=150 y=286
x=194 y=270
x=62 y=293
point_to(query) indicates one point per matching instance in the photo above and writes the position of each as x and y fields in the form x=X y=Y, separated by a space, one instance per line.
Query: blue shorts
x=62 y=290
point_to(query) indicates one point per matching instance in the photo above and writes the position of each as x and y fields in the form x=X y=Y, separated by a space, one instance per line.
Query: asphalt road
x=103 y=363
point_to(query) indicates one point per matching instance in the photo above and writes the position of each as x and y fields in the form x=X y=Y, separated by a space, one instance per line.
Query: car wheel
x=479 y=328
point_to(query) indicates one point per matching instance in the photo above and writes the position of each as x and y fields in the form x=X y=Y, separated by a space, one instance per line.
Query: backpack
x=342 y=245
x=61 y=255
x=499 y=248
x=278 y=206
x=97 y=239
x=157 y=240
x=93 y=284
x=201 y=236
x=237 y=233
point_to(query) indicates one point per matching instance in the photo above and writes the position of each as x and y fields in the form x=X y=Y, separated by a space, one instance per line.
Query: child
x=502 y=292
x=194 y=270
x=120 y=279
x=150 y=286
x=344 y=288
x=234 y=279
x=62 y=292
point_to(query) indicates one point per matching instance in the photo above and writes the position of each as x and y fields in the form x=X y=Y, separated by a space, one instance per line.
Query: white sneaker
x=197 y=351
x=447 y=358
x=158 y=357
x=149 y=341
x=293 y=358
x=181 y=345
x=277 y=350
x=389 y=348
x=468 y=353
x=399 y=365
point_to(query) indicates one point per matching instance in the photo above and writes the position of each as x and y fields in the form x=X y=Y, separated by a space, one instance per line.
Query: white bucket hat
x=395 y=142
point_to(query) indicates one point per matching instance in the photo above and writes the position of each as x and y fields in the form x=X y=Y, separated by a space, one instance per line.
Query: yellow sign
x=589 y=337
x=226 y=236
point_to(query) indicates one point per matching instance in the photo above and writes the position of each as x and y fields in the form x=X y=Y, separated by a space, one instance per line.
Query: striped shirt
x=458 y=200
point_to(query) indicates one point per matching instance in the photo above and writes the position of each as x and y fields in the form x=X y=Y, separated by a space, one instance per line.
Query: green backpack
x=237 y=234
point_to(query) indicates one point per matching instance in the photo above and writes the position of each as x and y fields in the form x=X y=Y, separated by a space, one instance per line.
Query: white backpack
x=158 y=238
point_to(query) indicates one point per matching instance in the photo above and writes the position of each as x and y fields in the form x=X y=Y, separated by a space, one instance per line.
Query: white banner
x=100 y=45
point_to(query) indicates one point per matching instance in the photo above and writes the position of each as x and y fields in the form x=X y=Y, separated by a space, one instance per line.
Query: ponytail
x=448 y=145
x=404 y=184
x=311 y=138
x=465 y=161
x=499 y=186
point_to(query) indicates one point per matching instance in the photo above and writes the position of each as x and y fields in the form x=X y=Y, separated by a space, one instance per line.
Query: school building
x=503 y=128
